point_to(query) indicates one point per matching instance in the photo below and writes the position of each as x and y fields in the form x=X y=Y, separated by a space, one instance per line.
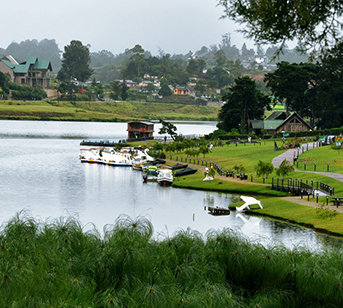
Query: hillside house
x=279 y=122
x=29 y=73
x=178 y=90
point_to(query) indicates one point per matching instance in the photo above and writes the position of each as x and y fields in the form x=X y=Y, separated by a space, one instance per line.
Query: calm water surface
x=41 y=173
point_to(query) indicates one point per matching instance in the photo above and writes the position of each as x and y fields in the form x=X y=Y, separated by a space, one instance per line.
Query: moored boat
x=91 y=156
x=118 y=159
x=165 y=177
x=152 y=170
x=141 y=158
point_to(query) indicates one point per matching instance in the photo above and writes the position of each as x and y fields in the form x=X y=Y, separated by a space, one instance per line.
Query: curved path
x=290 y=154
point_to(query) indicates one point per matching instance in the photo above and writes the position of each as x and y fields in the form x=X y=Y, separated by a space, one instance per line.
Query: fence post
x=304 y=165
x=328 y=167
x=315 y=166
x=171 y=156
x=264 y=178
x=251 y=177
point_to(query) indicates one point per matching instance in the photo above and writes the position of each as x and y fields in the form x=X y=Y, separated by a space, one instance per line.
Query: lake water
x=41 y=173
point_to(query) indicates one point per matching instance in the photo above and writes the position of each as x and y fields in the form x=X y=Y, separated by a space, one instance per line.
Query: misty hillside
x=108 y=67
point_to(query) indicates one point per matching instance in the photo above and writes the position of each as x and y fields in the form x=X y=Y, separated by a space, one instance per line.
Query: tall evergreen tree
x=75 y=63
x=243 y=102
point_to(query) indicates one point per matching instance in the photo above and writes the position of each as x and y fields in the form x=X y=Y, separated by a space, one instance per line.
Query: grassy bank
x=319 y=217
x=104 y=111
x=275 y=205
x=58 y=264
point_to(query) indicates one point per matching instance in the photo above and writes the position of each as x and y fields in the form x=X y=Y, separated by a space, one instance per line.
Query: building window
x=23 y=80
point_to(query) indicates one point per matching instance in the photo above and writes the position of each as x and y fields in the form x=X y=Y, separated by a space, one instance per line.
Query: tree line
x=313 y=90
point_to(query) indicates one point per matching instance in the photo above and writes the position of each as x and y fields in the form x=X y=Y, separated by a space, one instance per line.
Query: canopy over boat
x=178 y=166
x=185 y=171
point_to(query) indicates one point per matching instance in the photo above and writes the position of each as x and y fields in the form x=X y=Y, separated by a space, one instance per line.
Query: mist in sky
x=174 y=27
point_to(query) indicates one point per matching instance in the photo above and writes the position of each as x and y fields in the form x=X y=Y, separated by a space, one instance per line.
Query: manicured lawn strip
x=300 y=214
x=248 y=156
x=195 y=181
x=273 y=207
x=321 y=156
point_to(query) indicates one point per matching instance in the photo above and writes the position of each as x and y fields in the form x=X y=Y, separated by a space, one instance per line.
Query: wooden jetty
x=218 y=210
x=104 y=143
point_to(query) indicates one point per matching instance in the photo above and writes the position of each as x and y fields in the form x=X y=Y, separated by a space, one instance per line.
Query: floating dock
x=218 y=210
x=104 y=143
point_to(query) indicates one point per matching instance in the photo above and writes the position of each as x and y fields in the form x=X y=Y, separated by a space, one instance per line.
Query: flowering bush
x=293 y=142
x=337 y=144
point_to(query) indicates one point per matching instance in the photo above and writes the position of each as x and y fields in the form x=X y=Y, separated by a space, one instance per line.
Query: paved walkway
x=290 y=154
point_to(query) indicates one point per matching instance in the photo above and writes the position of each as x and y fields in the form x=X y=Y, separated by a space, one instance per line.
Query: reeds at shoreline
x=58 y=264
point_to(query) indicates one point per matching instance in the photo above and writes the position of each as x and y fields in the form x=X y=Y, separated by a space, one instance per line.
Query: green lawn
x=248 y=155
x=104 y=111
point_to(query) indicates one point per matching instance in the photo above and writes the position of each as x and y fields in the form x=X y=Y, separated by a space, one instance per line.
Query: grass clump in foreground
x=57 y=264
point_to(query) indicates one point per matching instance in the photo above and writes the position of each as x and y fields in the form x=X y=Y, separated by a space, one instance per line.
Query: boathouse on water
x=140 y=130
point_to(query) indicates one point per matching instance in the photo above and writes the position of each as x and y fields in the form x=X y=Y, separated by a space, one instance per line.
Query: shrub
x=263 y=168
x=239 y=168
x=284 y=168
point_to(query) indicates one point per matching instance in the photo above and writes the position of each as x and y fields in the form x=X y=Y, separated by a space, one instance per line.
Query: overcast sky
x=175 y=27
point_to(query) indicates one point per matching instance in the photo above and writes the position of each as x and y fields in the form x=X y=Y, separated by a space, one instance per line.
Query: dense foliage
x=26 y=93
x=75 y=63
x=314 y=23
x=244 y=102
x=59 y=264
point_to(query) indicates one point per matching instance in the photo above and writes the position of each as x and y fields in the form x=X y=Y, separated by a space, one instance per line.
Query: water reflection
x=45 y=176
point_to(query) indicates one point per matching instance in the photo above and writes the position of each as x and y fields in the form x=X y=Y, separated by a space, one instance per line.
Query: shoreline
x=296 y=200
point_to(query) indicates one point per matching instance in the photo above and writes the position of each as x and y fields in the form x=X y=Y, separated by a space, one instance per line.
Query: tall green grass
x=58 y=264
